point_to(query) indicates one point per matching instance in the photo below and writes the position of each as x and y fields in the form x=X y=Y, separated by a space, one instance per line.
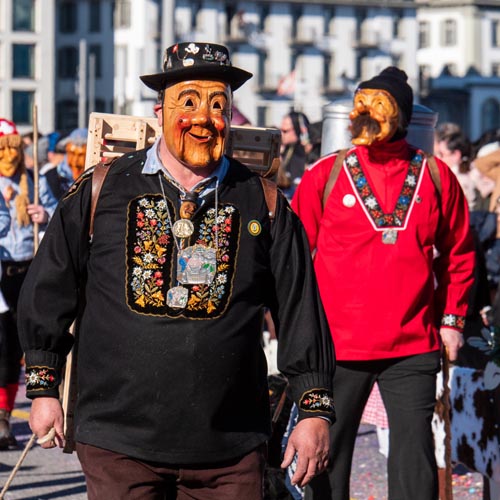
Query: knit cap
x=394 y=81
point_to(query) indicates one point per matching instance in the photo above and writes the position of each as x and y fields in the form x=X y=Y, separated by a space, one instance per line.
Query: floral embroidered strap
x=379 y=218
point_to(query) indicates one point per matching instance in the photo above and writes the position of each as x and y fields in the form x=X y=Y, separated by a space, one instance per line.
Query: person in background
x=373 y=236
x=16 y=253
x=75 y=145
x=42 y=147
x=173 y=400
x=295 y=146
x=456 y=151
x=52 y=169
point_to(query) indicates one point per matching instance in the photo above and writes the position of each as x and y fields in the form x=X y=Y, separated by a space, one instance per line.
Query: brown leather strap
x=334 y=174
x=434 y=171
x=100 y=172
x=271 y=195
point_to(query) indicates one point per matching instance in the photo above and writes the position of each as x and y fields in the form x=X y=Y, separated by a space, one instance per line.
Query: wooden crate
x=111 y=135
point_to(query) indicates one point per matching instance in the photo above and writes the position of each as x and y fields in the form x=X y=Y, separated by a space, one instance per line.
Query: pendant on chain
x=389 y=236
x=183 y=228
x=177 y=297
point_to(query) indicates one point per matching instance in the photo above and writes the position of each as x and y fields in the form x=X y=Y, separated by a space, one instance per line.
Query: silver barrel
x=336 y=122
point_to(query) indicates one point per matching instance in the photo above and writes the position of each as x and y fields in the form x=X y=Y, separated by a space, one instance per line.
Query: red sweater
x=381 y=299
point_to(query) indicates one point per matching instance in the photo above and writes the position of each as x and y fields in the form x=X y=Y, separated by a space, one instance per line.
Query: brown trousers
x=113 y=476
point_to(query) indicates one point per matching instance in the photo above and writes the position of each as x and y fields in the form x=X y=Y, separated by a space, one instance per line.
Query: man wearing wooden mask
x=374 y=229
x=173 y=400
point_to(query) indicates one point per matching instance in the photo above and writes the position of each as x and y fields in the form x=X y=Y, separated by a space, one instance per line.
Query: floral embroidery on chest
x=151 y=258
x=377 y=216
x=150 y=235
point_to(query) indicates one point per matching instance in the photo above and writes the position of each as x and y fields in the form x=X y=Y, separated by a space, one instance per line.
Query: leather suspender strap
x=271 y=195
x=434 y=171
x=100 y=172
x=334 y=174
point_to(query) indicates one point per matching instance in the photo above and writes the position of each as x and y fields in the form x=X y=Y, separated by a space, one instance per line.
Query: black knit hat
x=193 y=60
x=394 y=81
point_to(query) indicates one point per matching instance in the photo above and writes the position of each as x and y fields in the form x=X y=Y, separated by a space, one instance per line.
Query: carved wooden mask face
x=10 y=157
x=374 y=118
x=196 y=121
x=76 y=158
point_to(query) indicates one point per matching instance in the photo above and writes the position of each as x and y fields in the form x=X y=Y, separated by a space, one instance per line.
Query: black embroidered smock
x=182 y=386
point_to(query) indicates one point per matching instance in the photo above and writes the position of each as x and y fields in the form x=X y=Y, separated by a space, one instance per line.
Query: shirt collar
x=153 y=165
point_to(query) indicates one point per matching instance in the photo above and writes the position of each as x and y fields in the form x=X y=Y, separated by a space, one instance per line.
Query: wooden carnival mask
x=196 y=121
x=11 y=154
x=374 y=118
x=75 y=154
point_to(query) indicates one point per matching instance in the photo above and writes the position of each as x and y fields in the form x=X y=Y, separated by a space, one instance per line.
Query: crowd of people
x=366 y=262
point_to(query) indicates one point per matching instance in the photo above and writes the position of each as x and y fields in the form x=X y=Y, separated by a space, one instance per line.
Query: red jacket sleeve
x=454 y=266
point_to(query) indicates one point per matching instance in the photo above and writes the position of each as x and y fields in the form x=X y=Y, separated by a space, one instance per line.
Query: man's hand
x=453 y=340
x=37 y=213
x=310 y=440
x=46 y=414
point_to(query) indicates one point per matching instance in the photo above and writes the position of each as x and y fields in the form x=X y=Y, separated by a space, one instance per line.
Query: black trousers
x=13 y=274
x=408 y=389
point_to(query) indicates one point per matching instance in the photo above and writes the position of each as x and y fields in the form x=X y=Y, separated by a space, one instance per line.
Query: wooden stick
x=13 y=472
x=36 y=181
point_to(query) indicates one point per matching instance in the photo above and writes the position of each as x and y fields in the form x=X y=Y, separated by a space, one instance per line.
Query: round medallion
x=183 y=228
x=349 y=200
x=254 y=227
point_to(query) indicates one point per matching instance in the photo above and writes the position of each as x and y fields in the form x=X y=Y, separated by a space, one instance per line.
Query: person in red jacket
x=394 y=261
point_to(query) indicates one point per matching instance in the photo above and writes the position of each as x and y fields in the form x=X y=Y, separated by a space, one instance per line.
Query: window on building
x=449 y=33
x=495 y=33
x=327 y=69
x=96 y=52
x=67 y=62
x=95 y=16
x=424 y=39
x=67 y=115
x=397 y=19
x=68 y=16
x=122 y=14
x=23 y=61
x=424 y=74
x=23 y=15
x=22 y=107
x=100 y=105
x=490 y=114
x=296 y=13
x=495 y=69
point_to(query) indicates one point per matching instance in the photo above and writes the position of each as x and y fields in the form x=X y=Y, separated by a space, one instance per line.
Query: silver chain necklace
x=196 y=264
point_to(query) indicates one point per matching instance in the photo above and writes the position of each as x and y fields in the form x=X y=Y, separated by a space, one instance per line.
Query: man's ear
x=158 y=109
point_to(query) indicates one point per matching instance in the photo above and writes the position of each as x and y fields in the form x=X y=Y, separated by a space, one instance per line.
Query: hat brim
x=235 y=77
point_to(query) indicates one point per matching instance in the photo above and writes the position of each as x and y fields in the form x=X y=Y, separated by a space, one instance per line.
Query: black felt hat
x=394 y=81
x=196 y=60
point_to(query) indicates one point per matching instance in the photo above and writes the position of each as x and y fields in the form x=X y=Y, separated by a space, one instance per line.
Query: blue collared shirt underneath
x=153 y=164
x=18 y=244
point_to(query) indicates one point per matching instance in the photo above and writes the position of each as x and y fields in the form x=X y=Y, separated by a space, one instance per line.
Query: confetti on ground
x=369 y=472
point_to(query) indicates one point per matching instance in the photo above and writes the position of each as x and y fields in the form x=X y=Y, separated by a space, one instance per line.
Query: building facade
x=71 y=57
x=27 y=62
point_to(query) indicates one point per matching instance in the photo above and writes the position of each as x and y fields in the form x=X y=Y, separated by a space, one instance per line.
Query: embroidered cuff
x=453 y=321
x=40 y=378
x=316 y=401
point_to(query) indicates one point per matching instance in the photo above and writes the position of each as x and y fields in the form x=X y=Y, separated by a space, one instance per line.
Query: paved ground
x=51 y=474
